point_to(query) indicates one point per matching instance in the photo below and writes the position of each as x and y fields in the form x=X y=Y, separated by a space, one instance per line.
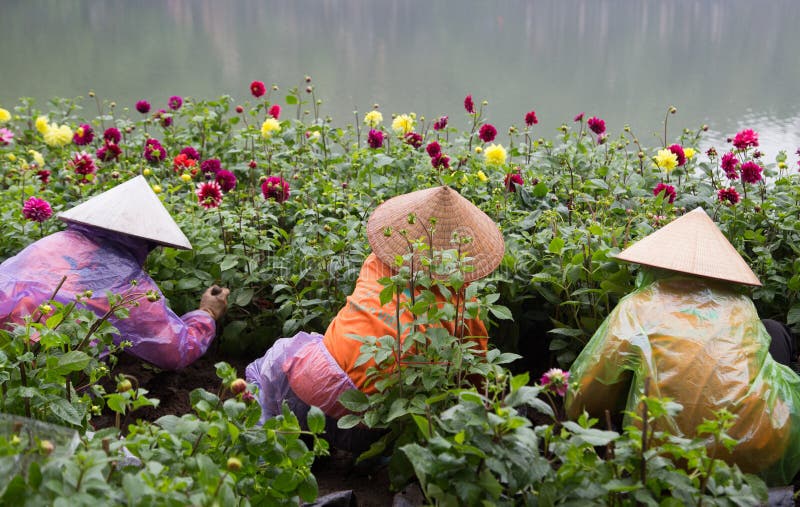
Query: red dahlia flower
x=531 y=119
x=37 y=210
x=153 y=151
x=44 y=176
x=112 y=135
x=375 y=139
x=191 y=153
x=440 y=161
x=596 y=125
x=728 y=195
x=433 y=149
x=83 y=135
x=677 y=149
x=143 y=106
x=414 y=139
x=162 y=116
x=209 y=194
x=182 y=162
x=226 y=180
x=258 y=89
x=669 y=192
x=512 y=180
x=487 y=133
x=751 y=172
x=578 y=117
x=83 y=163
x=440 y=124
x=469 y=105
x=211 y=166
x=276 y=188
x=108 y=152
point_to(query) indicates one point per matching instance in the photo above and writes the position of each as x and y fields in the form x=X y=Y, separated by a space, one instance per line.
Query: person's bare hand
x=215 y=301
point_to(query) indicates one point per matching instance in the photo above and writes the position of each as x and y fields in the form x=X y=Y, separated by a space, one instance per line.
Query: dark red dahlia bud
x=238 y=386
x=239 y=109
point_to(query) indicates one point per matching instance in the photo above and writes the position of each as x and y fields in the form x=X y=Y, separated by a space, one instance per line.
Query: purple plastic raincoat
x=103 y=261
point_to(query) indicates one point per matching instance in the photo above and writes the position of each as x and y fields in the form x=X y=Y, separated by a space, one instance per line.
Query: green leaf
x=348 y=421
x=423 y=425
x=540 y=190
x=71 y=361
x=291 y=100
x=230 y=261
x=316 y=420
x=65 y=411
x=501 y=312
x=243 y=297
x=556 y=246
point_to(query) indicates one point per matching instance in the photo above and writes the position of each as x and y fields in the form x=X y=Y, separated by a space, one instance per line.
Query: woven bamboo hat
x=692 y=244
x=130 y=208
x=454 y=215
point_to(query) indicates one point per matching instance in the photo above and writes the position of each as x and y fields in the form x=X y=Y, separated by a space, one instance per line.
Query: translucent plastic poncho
x=703 y=345
x=103 y=261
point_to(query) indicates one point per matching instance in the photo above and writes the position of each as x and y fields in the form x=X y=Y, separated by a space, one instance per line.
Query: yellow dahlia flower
x=495 y=154
x=269 y=126
x=482 y=176
x=373 y=118
x=42 y=125
x=689 y=152
x=666 y=160
x=403 y=124
x=186 y=177
x=4 y=115
x=37 y=157
x=58 y=135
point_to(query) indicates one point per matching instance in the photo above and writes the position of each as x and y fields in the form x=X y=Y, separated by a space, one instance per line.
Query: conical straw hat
x=130 y=208
x=692 y=244
x=453 y=214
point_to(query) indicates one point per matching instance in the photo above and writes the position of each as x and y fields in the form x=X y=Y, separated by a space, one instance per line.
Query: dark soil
x=334 y=473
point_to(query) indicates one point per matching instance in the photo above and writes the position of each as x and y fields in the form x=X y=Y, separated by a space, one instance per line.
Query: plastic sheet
x=103 y=262
x=703 y=345
x=299 y=367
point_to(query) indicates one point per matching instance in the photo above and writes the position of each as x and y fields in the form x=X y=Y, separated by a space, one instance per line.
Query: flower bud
x=238 y=386
x=234 y=464
x=45 y=309
x=672 y=110
x=91 y=93
x=124 y=386
x=239 y=109
x=46 y=447
x=147 y=171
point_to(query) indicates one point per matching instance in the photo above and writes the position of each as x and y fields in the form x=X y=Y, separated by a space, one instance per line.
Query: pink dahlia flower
x=175 y=102
x=729 y=164
x=209 y=194
x=669 y=192
x=258 y=89
x=556 y=381
x=578 y=117
x=83 y=135
x=275 y=111
x=37 y=210
x=745 y=139
x=162 y=116
x=487 y=133
x=6 y=137
x=276 y=188
x=44 y=176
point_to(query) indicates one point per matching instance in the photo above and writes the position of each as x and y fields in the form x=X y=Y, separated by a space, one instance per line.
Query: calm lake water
x=731 y=64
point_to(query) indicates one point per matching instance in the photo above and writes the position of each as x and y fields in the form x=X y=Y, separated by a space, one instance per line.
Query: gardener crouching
x=691 y=336
x=103 y=250
x=310 y=369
